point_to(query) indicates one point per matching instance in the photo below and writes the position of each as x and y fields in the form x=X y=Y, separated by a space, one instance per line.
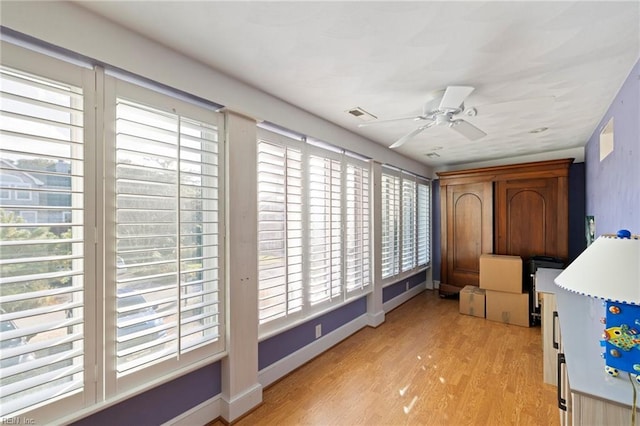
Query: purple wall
x=613 y=185
x=394 y=290
x=287 y=342
x=280 y=346
x=162 y=403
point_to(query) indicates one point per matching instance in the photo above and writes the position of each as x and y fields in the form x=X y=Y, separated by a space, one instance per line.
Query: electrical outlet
x=318 y=330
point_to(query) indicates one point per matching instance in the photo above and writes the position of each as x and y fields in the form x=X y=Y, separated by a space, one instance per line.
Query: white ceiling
x=386 y=57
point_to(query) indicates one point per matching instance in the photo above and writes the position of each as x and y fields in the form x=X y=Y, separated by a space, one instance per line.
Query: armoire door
x=469 y=232
x=531 y=218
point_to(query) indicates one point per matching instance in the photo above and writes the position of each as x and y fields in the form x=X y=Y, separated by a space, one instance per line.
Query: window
x=358 y=267
x=325 y=229
x=405 y=224
x=313 y=229
x=390 y=225
x=149 y=281
x=279 y=230
x=43 y=267
x=23 y=195
x=424 y=225
x=409 y=239
x=167 y=220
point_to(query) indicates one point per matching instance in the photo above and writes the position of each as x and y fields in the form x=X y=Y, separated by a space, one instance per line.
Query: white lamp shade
x=608 y=269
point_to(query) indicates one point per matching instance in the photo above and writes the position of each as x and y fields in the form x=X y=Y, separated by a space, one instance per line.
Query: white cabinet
x=550 y=338
x=553 y=359
x=565 y=397
x=594 y=411
x=591 y=396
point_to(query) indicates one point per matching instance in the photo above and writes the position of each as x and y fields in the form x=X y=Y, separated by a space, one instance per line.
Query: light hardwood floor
x=426 y=365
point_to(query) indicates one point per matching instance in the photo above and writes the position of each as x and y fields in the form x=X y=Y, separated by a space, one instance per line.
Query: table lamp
x=609 y=269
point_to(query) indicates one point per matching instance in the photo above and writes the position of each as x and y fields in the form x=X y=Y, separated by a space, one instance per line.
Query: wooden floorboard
x=426 y=365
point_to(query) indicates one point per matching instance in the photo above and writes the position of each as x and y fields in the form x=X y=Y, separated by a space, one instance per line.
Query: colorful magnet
x=636 y=367
x=614 y=309
x=615 y=353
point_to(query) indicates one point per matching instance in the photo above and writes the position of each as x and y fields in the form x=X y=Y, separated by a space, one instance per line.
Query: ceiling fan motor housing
x=445 y=118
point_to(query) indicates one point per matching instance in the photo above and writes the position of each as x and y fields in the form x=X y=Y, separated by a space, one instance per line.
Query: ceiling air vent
x=361 y=114
x=432 y=154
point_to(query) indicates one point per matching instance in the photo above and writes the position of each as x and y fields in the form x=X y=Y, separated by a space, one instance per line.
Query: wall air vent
x=361 y=114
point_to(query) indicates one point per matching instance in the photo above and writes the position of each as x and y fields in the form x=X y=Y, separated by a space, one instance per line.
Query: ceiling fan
x=443 y=108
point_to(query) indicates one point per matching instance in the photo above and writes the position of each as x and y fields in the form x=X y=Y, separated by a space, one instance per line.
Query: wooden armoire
x=520 y=209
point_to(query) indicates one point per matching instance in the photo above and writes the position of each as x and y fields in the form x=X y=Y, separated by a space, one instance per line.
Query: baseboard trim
x=286 y=365
x=201 y=414
x=375 y=319
x=240 y=404
x=399 y=300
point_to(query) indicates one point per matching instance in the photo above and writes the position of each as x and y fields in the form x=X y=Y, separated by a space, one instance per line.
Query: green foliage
x=35 y=164
x=27 y=251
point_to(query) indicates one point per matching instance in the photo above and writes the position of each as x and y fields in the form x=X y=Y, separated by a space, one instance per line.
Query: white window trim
x=402 y=275
x=24 y=189
x=91 y=397
x=308 y=312
x=115 y=88
x=47 y=67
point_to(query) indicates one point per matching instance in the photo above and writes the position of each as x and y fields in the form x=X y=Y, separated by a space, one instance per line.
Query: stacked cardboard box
x=501 y=277
x=472 y=301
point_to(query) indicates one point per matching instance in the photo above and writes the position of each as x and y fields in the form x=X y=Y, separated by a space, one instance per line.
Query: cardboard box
x=509 y=308
x=501 y=273
x=472 y=301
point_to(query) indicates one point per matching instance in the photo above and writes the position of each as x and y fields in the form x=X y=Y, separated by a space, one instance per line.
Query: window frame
x=211 y=352
x=309 y=311
x=62 y=72
x=99 y=388
x=397 y=271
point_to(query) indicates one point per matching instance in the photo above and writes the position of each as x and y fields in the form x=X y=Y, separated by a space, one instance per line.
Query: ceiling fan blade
x=467 y=130
x=409 y=135
x=454 y=96
x=534 y=104
x=391 y=120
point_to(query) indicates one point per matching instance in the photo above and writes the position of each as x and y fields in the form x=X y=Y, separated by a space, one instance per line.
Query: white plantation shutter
x=408 y=223
x=405 y=218
x=390 y=225
x=357 y=227
x=314 y=223
x=423 y=216
x=168 y=212
x=200 y=211
x=279 y=230
x=111 y=242
x=325 y=229
x=42 y=230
